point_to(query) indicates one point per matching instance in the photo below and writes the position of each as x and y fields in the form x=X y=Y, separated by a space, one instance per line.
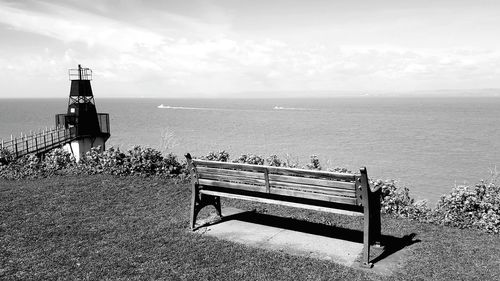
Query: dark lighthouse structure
x=89 y=128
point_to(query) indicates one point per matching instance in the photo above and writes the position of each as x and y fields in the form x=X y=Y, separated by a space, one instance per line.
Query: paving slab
x=289 y=241
x=234 y=228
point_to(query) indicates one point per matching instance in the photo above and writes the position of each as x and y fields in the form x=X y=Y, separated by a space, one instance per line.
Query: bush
x=32 y=166
x=90 y=162
x=137 y=161
x=56 y=160
x=274 y=161
x=6 y=156
x=23 y=167
x=289 y=162
x=171 y=167
x=144 y=161
x=222 y=156
x=111 y=161
x=398 y=202
x=339 y=170
x=471 y=207
x=250 y=159
x=314 y=163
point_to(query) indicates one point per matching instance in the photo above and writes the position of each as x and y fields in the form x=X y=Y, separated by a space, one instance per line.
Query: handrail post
x=15 y=145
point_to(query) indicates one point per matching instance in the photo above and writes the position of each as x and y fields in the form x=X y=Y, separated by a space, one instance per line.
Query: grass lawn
x=105 y=227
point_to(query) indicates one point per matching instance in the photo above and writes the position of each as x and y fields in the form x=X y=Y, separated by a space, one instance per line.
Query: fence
x=38 y=142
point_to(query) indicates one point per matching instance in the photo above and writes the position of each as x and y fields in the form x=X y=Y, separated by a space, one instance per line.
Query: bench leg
x=371 y=234
x=195 y=202
x=366 y=245
x=199 y=201
x=216 y=203
x=372 y=227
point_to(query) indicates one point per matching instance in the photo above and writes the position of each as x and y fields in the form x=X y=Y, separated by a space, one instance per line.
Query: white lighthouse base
x=79 y=147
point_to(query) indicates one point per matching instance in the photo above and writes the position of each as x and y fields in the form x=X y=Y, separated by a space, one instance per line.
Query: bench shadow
x=391 y=244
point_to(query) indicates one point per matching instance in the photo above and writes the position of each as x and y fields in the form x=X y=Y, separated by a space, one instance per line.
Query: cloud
x=69 y=25
x=180 y=53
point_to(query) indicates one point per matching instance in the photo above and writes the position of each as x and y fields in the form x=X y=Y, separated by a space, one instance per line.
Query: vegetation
x=466 y=207
x=95 y=227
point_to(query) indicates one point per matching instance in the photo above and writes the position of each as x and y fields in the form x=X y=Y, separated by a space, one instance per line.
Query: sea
x=429 y=144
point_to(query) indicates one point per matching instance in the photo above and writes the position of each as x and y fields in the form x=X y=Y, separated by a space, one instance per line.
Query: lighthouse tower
x=90 y=129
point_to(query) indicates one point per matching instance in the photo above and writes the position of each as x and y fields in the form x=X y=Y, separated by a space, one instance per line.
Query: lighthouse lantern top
x=80 y=73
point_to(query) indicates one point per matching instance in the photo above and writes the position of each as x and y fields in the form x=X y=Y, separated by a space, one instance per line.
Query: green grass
x=104 y=227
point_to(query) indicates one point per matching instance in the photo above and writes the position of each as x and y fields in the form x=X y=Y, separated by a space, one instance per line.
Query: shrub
x=171 y=167
x=339 y=170
x=289 y=162
x=23 y=167
x=274 y=161
x=90 y=162
x=6 y=156
x=397 y=201
x=111 y=161
x=114 y=162
x=314 y=164
x=144 y=161
x=471 y=207
x=250 y=159
x=136 y=161
x=222 y=156
x=31 y=166
x=56 y=160
x=394 y=200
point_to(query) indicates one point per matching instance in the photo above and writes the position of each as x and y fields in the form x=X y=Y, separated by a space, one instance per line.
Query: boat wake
x=161 y=106
x=292 y=108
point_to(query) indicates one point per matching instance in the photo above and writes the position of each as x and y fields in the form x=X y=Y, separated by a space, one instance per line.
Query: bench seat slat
x=226 y=165
x=313 y=181
x=280 y=202
x=314 y=188
x=233 y=185
x=226 y=178
x=311 y=173
x=315 y=196
x=234 y=173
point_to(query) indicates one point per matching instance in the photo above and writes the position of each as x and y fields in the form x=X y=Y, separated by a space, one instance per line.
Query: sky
x=248 y=48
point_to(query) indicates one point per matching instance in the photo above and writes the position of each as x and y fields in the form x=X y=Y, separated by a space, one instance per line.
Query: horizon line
x=315 y=94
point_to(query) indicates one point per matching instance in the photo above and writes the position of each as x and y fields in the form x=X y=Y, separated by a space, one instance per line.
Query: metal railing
x=80 y=73
x=103 y=119
x=39 y=142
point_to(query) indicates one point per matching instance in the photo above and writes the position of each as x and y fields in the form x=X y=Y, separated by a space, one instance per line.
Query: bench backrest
x=342 y=188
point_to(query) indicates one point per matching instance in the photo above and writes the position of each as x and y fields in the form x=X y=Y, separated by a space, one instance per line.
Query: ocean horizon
x=429 y=144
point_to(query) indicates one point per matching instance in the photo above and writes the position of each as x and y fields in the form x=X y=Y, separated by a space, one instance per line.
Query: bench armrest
x=373 y=190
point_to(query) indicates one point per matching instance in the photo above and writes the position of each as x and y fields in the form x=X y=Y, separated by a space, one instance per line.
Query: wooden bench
x=342 y=193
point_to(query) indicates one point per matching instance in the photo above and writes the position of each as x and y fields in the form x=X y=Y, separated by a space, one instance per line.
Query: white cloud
x=69 y=25
x=182 y=53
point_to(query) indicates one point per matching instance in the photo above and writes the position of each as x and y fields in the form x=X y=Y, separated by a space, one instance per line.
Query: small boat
x=163 y=106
